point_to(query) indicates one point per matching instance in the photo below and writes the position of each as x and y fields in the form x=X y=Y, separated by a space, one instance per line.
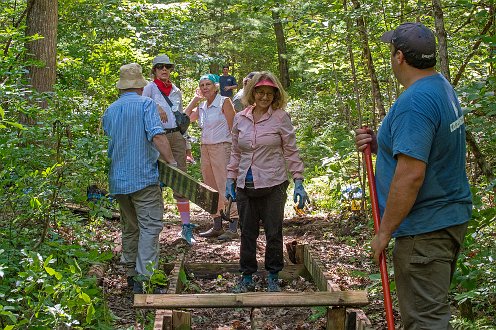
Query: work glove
x=231 y=189
x=300 y=191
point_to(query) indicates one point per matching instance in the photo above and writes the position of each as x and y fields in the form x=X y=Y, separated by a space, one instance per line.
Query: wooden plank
x=183 y=184
x=181 y=320
x=163 y=320
x=317 y=270
x=336 y=318
x=256 y=299
x=213 y=270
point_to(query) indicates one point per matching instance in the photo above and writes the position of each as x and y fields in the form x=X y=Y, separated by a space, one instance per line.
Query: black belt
x=249 y=185
x=171 y=130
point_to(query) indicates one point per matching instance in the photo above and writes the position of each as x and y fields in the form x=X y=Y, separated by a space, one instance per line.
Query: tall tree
x=281 y=48
x=42 y=19
x=441 y=38
x=376 y=92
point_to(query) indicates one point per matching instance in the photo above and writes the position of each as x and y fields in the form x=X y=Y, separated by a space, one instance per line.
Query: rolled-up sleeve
x=151 y=120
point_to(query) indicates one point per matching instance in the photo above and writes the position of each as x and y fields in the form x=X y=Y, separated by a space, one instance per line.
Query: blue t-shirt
x=226 y=81
x=426 y=123
x=131 y=122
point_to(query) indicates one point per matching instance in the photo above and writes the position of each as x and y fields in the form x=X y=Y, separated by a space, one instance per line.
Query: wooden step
x=252 y=299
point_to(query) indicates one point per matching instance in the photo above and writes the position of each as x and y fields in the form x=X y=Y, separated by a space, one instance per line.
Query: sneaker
x=187 y=233
x=273 y=283
x=130 y=281
x=244 y=285
x=138 y=287
x=160 y=290
x=228 y=235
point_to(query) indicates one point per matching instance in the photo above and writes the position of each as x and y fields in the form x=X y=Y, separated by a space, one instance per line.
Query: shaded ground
x=338 y=242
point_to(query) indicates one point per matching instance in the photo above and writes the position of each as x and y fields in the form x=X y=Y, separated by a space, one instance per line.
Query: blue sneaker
x=187 y=233
x=273 y=283
x=245 y=284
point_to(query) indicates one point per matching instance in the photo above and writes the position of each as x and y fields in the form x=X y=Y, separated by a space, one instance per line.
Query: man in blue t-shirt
x=136 y=140
x=227 y=83
x=422 y=186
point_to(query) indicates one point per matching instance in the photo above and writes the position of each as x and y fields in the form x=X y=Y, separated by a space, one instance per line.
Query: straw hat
x=131 y=76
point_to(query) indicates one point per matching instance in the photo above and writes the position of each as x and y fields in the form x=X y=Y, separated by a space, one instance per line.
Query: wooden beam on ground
x=169 y=319
x=316 y=269
x=212 y=270
x=256 y=299
x=336 y=318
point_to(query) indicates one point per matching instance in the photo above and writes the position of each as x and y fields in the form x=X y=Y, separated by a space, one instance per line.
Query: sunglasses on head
x=160 y=66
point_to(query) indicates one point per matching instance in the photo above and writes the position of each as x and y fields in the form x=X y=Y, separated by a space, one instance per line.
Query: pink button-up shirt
x=267 y=146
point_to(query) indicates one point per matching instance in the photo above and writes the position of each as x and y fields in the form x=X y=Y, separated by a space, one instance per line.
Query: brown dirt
x=337 y=241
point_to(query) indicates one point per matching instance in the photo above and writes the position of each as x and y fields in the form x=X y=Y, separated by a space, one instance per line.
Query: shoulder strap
x=169 y=102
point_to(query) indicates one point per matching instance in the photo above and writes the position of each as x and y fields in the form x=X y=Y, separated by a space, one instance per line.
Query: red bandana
x=165 y=88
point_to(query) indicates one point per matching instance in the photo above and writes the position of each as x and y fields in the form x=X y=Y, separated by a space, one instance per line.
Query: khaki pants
x=423 y=268
x=214 y=160
x=141 y=223
x=178 y=148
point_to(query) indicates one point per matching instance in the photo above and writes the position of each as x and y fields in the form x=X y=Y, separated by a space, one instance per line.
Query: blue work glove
x=231 y=189
x=300 y=191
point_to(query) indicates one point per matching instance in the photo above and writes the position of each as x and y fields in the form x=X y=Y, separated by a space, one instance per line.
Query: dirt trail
x=338 y=242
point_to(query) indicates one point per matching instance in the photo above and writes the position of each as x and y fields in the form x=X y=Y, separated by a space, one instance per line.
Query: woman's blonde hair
x=280 y=97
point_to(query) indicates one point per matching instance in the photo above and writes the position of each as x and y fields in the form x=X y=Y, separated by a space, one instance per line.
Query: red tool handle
x=388 y=306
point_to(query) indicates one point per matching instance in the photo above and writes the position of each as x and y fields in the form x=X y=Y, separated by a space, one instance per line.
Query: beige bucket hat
x=131 y=76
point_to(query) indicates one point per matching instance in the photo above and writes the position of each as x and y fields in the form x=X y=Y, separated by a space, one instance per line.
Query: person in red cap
x=422 y=186
x=263 y=147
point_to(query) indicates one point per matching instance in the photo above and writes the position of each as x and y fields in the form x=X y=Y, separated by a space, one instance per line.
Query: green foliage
x=475 y=276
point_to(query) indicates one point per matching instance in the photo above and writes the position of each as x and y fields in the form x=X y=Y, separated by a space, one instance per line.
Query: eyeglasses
x=262 y=94
x=160 y=66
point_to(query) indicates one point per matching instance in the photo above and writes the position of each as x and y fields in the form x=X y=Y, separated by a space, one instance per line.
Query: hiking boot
x=244 y=285
x=228 y=235
x=273 y=283
x=187 y=233
x=212 y=232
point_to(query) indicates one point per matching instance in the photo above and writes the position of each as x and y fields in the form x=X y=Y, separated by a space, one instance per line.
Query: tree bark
x=376 y=92
x=42 y=19
x=281 y=49
x=475 y=47
x=441 y=38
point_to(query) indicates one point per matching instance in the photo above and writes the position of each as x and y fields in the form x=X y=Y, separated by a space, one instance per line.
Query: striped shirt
x=131 y=122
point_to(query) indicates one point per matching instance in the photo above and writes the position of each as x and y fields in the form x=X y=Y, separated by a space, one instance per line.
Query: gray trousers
x=141 y=223
x=423 y=268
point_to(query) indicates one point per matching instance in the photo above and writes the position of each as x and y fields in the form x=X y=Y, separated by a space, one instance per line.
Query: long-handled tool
x=388 y=306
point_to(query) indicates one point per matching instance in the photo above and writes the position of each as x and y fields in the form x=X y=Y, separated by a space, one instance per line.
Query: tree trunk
x=281 y=49
x=42 y=19
x=475 y=47
x=376 y=92
x=441 y=38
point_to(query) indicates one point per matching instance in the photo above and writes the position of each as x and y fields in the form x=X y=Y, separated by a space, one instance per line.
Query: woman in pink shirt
x=263 y=150
x=215 y=116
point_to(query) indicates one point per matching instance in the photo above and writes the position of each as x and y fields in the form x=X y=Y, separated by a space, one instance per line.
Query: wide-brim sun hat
x=131 y=76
